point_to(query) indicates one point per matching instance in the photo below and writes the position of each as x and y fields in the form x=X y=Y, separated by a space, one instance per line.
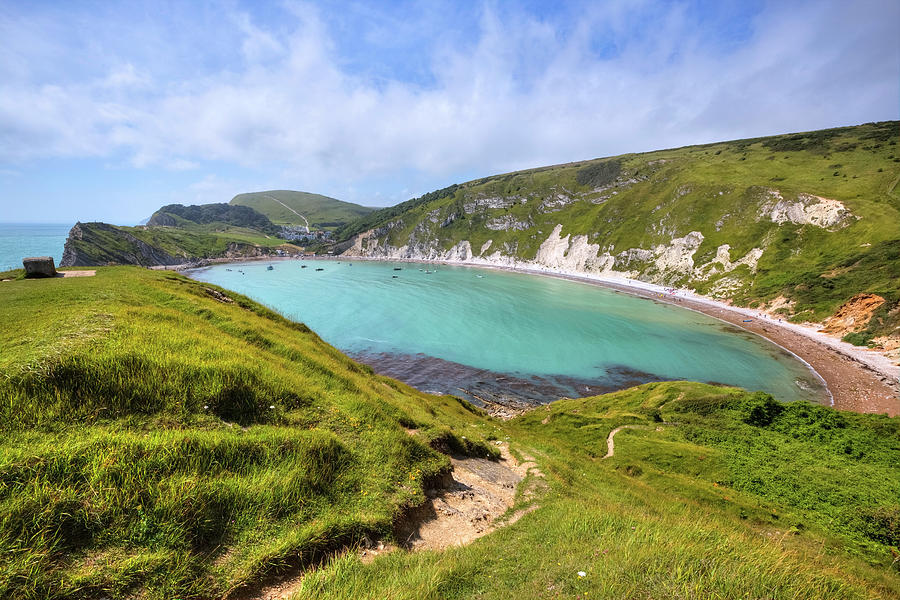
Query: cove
x=501 y=336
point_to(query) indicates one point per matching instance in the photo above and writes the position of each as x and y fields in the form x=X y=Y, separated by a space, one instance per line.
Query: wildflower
x=272 y=407
x=205 y=406
x=582 y=574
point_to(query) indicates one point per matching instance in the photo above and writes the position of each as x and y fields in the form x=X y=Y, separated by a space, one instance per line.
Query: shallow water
x=489 y=334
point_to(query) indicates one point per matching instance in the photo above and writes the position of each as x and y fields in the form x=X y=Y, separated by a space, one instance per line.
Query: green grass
x=716 y=189
x=320 y=211
x=712 y=507
x=155 y=438
x=156 y=442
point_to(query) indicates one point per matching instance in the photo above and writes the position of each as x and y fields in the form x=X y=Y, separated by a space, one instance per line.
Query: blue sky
x=109 y=110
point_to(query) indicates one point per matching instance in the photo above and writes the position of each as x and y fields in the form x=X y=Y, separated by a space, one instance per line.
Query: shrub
x=761 y=410
x=599 y=174
x=858 y=338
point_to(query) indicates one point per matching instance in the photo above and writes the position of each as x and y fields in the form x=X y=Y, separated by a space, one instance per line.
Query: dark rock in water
x=39 y=266
x=482 y=387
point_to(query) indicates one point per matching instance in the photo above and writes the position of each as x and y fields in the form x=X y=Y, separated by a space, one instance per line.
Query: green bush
x=761 y=410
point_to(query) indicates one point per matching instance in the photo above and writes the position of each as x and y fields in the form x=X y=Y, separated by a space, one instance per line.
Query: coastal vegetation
x=166 y=438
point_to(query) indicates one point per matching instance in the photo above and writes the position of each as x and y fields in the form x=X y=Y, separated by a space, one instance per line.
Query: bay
x=485 y=334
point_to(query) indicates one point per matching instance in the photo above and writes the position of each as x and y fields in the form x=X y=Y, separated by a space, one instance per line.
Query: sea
x=488 y=335
x=20 y=240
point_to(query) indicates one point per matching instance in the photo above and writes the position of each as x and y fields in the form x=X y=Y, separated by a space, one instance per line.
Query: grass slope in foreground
x=161 y=441
x=282 y=206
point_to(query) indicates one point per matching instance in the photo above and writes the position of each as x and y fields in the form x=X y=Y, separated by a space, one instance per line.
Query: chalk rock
x=39 y=266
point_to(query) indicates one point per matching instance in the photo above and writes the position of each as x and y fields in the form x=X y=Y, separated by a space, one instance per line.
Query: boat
x=270 y=268
x=302 y=266
x=398 y=268
x=320 y=269
x=393 y=277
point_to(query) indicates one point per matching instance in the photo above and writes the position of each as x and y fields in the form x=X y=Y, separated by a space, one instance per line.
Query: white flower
x=205 y=406
x=272 y=407
x=581 y=574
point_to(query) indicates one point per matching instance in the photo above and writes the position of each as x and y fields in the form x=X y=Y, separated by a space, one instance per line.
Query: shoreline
x=857 y=379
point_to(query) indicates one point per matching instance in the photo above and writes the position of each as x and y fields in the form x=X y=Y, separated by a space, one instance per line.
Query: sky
x=109 y=110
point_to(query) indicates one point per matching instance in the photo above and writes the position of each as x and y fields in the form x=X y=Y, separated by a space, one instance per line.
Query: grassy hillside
x=813 y=217
x=282 y=206
x=732 y=499
x=164 y=438
x=159 y=435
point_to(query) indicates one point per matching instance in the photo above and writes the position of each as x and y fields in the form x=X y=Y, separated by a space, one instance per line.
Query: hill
x=166 y=438
x=285 y=207
x=178 y=215
x=802 y=223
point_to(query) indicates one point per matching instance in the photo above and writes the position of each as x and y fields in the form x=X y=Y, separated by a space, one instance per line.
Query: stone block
x=39 y=266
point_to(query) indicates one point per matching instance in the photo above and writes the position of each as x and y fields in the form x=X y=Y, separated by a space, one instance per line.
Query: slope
x=716 y=493
x=802 y=221
x=164 y=438
x=285 y=207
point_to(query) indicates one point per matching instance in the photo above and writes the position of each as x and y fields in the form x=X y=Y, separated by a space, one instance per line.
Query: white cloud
x=522 y=93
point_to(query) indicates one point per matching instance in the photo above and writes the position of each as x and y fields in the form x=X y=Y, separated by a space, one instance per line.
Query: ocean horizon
x=21 y=240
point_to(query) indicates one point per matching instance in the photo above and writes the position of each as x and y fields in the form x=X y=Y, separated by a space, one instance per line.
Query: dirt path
x=290 y=209
x=610 y=442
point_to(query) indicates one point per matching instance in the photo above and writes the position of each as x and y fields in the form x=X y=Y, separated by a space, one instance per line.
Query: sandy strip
x=858 y=379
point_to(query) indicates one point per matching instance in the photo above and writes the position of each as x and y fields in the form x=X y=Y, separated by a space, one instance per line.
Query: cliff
x=98 y=244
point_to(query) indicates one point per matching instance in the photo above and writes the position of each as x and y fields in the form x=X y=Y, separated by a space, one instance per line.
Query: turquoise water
x=474 y=327
x=18 y=240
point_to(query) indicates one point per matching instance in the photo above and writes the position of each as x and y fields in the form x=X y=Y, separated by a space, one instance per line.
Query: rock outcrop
x=39 y=266
x=807 y=209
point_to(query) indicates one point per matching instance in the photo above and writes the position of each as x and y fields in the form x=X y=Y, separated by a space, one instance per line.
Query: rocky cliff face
x=571 y=254
x=98 y=244
x=95 y=244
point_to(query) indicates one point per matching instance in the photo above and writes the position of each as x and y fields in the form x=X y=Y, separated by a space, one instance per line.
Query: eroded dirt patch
x=468 y=505
x=77 y=273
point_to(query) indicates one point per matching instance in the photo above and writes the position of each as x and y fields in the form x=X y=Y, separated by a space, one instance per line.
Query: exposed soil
x=77 y=273
x=469 y=503
x=853 y=315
